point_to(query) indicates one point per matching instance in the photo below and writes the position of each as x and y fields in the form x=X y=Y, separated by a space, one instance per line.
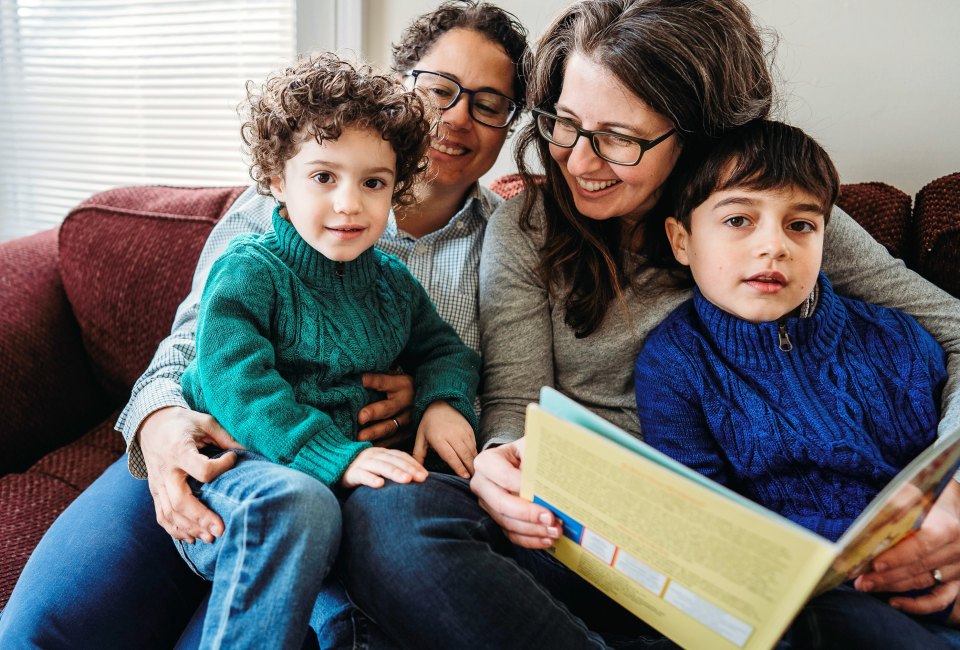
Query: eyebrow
x=333 y=165
x=743 y=200
x=481 y=89
x=606 y=125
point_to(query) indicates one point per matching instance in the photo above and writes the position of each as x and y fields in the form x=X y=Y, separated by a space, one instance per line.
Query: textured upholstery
x=85 y=306
x=124 y=292
x=29 y=502
x=45 y=381
x=937 y=237
x=883 y=210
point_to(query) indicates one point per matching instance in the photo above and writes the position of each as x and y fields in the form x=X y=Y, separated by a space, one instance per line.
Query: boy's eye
x=323 y=177
x=736 y=221
x=802 y=226
x=374 y=183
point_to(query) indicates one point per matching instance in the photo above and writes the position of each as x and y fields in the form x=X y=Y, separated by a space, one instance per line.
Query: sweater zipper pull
x=340 y=269
x=785 y=344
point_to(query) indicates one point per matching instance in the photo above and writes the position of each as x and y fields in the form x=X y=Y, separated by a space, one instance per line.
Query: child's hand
x=374 y=464
x=450 y=435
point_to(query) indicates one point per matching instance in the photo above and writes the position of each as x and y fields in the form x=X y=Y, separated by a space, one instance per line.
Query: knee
x=284 y=505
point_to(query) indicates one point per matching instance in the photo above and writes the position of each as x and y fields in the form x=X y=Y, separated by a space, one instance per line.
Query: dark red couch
x=84 y=306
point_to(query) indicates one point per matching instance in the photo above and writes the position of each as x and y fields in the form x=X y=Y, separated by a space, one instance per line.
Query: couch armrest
x=937 y=223
x=48 y=395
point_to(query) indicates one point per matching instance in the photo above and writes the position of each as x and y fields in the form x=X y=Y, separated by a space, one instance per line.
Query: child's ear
x=276 y=188
x=677 y=236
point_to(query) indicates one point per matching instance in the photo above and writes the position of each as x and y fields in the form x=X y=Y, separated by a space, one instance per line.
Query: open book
x=703 y=565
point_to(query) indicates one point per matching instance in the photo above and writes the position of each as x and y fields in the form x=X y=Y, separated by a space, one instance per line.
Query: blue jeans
x=845 y=618
x=106 y=575
x=281 y=536
x=435 y=571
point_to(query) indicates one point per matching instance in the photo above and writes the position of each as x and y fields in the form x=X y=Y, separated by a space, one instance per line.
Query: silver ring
x=937 y=577
x=397 y=424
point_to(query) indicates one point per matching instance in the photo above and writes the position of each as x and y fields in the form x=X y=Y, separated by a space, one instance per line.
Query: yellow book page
x=701 y=569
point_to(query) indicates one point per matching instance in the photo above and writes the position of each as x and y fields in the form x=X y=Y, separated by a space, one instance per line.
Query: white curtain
x=96 y=94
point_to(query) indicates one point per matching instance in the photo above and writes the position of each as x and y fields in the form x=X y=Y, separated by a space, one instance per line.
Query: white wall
x=877 y=82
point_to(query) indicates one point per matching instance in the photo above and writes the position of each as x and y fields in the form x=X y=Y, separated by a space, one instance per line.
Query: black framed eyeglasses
x=616 y=148
x=486 y=106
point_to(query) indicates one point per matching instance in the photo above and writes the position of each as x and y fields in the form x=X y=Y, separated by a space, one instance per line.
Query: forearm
x=860 y=267
x=159 y=386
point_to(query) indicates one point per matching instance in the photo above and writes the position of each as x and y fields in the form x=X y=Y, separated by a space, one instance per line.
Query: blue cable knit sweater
x=284 y=335
x=813 y=433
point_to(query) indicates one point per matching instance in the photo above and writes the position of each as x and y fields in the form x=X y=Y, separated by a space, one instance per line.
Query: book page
x=896 y=512
x=705 y=571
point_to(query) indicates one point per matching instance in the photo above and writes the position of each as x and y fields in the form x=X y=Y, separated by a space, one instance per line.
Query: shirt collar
x=480 y=202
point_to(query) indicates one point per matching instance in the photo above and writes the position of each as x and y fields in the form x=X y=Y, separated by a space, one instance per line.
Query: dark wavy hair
x=501 y=27
x=318 y=97
x=701 y=63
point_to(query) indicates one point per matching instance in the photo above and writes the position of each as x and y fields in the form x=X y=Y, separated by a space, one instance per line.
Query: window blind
x=96 y=94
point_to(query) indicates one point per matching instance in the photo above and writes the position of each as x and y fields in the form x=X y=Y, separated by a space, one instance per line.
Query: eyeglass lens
x=487 y=107
x=620 y=151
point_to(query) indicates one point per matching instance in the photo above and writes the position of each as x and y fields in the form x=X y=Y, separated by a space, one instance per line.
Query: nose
x=582 y=159
x=347 y=200
x=457 y=116
x=773 y=242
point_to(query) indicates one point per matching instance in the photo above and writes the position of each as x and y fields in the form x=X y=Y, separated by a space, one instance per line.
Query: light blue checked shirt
x=445 y=262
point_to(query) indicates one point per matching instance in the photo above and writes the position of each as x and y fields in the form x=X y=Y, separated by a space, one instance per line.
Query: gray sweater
x=526 y=343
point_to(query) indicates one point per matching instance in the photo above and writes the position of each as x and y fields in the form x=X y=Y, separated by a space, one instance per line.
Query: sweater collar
x=757 y=345
x=311 y=265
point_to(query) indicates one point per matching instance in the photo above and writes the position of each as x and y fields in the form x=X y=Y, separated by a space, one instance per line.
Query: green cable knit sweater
x=284 y=335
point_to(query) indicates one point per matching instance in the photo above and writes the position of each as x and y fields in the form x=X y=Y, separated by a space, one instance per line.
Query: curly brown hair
x=501 y=27
x=318 y=97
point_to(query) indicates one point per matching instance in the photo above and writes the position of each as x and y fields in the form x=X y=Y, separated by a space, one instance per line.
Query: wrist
x=155 y=420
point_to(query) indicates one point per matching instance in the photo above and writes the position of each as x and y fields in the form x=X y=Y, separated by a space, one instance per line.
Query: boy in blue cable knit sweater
x=766 y=380
x=289 y=322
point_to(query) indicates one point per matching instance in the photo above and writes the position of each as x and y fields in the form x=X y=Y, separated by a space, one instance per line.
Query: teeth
x=450 y=151
x=594 y=186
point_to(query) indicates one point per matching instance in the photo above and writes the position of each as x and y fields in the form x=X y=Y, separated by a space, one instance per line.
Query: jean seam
x=181 y=549
x=235 y=579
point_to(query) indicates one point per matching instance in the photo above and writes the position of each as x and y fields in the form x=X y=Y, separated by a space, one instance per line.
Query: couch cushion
x=42 y=360
x=883 y=211
x=127 y=257
x=30 y=501
x=937 y=232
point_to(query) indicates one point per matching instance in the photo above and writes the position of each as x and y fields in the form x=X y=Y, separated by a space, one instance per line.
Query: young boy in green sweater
x=289 y=322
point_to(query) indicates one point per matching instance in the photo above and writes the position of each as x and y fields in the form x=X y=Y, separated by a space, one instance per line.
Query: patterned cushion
x=883 y=211
x=29 y=502
x=127 y=257
x=937 y=232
